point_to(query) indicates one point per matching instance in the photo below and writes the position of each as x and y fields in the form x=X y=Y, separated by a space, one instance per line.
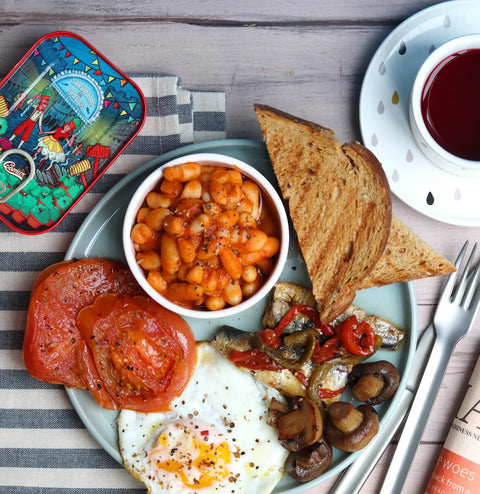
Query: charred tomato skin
x=51 y=335
x=135 y=354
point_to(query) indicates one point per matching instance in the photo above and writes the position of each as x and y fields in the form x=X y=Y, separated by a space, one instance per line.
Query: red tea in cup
x=450 y=104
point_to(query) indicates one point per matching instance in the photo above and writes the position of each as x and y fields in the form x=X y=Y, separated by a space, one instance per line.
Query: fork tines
x=468 y=286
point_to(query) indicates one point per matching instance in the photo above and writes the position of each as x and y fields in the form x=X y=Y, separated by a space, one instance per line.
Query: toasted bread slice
x=406 y=258
x=339 y=202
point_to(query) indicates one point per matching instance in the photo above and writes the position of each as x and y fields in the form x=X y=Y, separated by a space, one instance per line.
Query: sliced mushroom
x=349 y=428
x=277 y=409
x=374 y=382
x=309 y=462
x=302 y=426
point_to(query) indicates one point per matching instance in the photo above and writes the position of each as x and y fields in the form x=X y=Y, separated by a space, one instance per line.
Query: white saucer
x=384 y=120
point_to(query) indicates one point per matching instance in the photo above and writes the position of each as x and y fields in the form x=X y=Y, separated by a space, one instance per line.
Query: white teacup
x=438 y=149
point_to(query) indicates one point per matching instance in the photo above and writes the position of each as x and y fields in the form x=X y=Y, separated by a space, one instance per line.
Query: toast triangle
x=325 y=183
x=406 y=258
x=346 y=231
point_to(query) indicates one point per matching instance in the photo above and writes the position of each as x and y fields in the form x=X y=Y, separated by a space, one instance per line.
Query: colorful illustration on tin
x=72 y=112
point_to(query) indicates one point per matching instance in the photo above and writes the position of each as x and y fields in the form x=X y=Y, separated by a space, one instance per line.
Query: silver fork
x=453 y=319
x=353 y=478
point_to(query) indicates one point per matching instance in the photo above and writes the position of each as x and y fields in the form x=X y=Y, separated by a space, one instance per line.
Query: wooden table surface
x=304 y=57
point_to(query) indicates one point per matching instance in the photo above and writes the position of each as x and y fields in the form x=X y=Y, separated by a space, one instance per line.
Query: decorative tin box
x=66 y=113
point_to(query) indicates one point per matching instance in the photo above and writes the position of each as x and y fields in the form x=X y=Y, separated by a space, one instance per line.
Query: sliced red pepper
x=271 y=337
x=329 y=393
x=254 y=359
x=327 y=329
x=302 y=378
x=332 y=348
x=357 y=337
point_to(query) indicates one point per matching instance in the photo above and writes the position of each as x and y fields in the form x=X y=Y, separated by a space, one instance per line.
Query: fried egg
x=214 y=439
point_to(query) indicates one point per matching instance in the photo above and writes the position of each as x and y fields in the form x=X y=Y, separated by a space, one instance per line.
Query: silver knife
x=353 y=478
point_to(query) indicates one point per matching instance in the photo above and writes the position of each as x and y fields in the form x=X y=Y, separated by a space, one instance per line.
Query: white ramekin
x=152 y=181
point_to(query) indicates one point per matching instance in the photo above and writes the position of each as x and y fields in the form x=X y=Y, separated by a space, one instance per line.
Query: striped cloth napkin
x=44 y=446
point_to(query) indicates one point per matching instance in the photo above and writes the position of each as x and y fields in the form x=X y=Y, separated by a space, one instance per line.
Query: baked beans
x=206 y=237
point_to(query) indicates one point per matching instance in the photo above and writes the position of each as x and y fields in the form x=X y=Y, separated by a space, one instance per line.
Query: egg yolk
x=194 y=452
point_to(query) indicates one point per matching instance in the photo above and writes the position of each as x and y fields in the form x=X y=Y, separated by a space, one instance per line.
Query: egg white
x=222 y=402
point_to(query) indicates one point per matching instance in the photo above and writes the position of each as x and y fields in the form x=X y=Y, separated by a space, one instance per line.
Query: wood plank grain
x=314 y=72
x=419 y=475
x=231 y=13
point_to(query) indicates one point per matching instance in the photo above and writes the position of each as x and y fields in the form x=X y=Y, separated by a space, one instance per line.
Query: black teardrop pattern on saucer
x=383 y=106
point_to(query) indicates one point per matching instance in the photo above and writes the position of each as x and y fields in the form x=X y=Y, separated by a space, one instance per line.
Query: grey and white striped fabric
x=44 y=447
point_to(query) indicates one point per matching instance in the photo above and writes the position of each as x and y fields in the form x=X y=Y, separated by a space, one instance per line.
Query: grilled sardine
x=229 y=338
x=286 y=294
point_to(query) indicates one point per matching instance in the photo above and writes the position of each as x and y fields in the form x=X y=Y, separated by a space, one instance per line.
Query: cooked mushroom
x=277 y=409
x=302 y=426
x=374 y=382
x=349 y=428
x=309 y=462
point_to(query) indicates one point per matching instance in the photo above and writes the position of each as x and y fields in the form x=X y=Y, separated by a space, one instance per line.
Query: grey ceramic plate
x=101 y=235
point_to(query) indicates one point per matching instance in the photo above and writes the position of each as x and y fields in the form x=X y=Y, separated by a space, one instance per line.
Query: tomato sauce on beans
x=206 y=236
